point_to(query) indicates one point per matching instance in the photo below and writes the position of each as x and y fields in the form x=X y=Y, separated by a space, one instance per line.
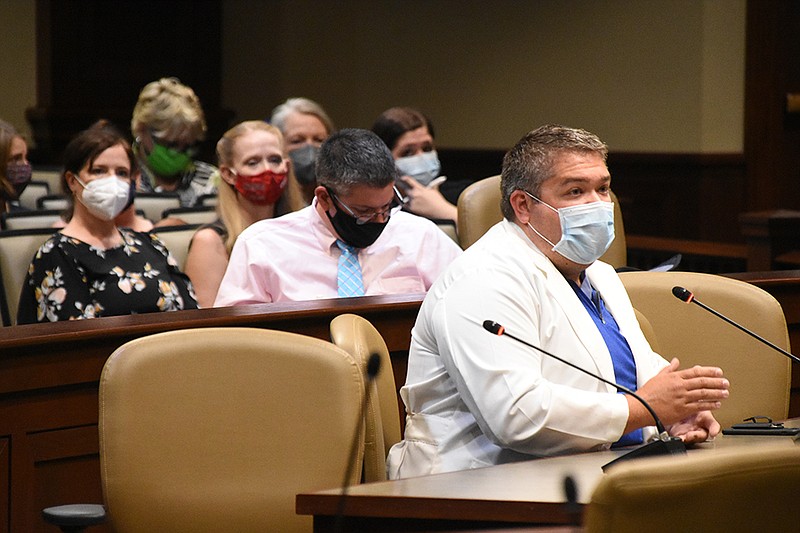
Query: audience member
x=305 y=125
x=256 y=183
x=168 y=124
x=91 y=268
x=353 y=240
x=15 y=170
x=409 y=135
x=474 y=399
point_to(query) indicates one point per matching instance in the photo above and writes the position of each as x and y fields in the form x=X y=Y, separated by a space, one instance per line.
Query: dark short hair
x=85 y=147
x=353 y=157
x=530 y=162
x=394 y=122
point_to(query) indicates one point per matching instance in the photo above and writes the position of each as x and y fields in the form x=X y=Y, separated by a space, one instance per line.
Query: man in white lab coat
x=474 y=399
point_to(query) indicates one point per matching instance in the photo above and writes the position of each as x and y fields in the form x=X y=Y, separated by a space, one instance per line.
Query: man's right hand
x=676 y=394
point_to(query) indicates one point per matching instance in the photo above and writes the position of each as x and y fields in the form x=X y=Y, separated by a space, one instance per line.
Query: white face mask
x=424 y=167
x=587 y=230
x=105 y=197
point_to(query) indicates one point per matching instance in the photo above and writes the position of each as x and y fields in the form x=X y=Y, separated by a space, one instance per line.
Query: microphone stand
x=663 y=445
x=371 y=371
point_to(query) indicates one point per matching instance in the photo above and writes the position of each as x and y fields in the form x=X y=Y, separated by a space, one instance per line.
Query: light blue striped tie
x=348 y=278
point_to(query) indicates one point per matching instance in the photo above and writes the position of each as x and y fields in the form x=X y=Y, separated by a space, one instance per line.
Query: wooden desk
x=49 y=376
x=517 y=494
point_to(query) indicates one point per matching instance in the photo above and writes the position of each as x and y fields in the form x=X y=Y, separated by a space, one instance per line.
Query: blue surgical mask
x=587 y=230
x=424 y=167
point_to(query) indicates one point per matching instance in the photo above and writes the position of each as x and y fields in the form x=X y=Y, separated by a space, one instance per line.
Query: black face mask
x=358 y=235
x=303 y=161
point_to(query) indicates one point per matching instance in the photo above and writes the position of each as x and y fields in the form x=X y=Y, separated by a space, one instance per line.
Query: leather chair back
x=217 y=429
x=759 y=376
x=479 y=210
x=742 y=488
x=360 y=338
x=17 y=248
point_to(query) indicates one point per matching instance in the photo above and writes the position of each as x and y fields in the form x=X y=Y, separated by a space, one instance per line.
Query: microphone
x=685 y=295
x=664 y=445
x=572 y=508
x=371 y=370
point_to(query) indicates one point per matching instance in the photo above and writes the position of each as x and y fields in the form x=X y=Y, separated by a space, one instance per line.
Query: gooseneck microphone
x=664 y=445
x=370 y=372
x=685 y=295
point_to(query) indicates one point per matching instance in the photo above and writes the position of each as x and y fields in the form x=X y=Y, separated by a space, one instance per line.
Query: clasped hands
x=683 y=400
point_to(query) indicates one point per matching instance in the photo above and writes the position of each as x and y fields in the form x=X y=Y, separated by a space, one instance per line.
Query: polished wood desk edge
x=768 y=277
x=431 y=508
x=32 y=334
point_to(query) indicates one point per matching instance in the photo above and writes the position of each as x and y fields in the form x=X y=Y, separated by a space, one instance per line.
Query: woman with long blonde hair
x=256 y=182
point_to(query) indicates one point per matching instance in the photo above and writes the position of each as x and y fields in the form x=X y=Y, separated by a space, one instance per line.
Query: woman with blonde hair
x=256 y=183
x=168 y=125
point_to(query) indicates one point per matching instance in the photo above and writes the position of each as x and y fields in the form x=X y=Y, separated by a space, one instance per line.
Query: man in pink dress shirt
x=296 y=256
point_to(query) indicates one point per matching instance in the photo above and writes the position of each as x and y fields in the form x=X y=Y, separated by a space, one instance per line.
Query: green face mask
x=166 y=161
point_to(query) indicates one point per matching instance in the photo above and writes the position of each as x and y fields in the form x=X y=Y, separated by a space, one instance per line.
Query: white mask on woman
x=105 y=197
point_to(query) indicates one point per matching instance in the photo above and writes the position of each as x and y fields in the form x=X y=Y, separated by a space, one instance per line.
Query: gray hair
x=530 y=162
x=299 y=105
x=354 y=157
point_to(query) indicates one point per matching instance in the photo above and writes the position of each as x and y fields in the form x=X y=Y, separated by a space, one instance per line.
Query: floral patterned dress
x=69 y=279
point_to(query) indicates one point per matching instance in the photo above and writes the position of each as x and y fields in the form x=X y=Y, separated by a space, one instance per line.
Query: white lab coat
x=475 y=399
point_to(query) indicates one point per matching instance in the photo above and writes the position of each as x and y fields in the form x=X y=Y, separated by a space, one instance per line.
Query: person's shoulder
x=208 y=235
x=203 y=170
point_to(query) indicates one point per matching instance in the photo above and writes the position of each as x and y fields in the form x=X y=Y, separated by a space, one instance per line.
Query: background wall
x=647 y=76
x=17 y=61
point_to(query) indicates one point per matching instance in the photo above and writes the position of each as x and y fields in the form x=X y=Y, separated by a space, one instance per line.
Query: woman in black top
x=92 y=268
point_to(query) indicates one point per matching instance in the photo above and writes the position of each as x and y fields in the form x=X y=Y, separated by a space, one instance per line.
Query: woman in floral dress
x=92 y=268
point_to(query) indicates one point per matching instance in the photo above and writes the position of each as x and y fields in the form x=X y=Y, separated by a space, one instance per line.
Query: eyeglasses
x=362 y=218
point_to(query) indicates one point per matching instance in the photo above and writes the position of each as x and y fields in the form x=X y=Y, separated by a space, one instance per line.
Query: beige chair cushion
x=361 y=339
x=16 y=252
x=479 y=210
x=218 y=429
x=759 y=376
x=737 y=489
x=177 y=240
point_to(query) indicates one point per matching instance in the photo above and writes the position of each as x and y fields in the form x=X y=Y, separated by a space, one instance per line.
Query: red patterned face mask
x=262 y=189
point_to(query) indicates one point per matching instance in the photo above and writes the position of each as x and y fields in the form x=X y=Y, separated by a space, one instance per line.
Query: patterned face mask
x=261 y=189
x=19 y=175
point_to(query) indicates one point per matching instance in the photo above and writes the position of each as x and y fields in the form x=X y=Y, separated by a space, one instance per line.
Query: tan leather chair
x=739 y=489
x=17 y=248
x=155 y=203
x=759 y=376
x=177 y=240
x=479 y=209
x=647 y=329
x=361 y=339
x=218 y=429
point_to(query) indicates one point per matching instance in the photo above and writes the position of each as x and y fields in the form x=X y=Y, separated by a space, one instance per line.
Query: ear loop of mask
x=548 y=241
